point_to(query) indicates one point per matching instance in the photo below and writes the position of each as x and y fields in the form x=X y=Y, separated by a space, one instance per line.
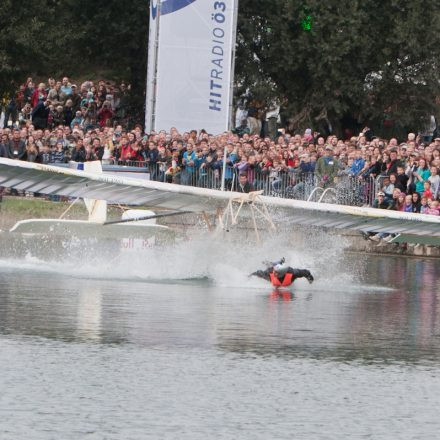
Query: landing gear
x=255 y=204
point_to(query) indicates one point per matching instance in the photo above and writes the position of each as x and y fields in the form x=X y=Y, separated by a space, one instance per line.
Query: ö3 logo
x=169 y=6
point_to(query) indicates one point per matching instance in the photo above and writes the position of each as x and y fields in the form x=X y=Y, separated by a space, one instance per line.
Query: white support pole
x=234 y=43
x=152 y=68
x=156 y=53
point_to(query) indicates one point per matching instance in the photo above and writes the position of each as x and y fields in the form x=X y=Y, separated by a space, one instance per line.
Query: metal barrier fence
x=292 y=184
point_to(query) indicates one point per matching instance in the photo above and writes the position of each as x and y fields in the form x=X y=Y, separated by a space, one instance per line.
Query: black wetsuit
x=297 y=273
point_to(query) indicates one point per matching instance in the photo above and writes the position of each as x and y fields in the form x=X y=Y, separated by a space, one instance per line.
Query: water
x=92 y=351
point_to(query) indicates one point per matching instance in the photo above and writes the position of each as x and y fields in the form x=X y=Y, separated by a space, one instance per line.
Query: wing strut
x=150 y=217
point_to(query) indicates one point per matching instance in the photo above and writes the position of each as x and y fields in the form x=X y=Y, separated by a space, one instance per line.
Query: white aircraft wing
x=52 y=180
x=48 y=179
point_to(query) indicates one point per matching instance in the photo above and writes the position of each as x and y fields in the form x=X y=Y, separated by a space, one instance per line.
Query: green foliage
x=322 y=60
x=74 y=37
x=359 y=58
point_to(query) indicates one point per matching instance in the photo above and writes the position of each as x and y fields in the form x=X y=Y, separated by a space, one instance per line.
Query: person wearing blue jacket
x=231 y=159
x=188 y=161
x=358 y=164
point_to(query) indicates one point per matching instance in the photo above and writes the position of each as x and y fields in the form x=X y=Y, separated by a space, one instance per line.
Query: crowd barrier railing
x=289 y=184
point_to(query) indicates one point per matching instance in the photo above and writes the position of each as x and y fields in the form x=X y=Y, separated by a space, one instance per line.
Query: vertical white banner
x=196 y=42
x=152 y=65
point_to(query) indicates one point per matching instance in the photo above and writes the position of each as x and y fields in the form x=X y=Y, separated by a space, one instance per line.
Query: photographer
x=105 y=115
x=17 y=146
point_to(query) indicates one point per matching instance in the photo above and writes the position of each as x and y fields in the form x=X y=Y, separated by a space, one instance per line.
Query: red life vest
x=276 y=282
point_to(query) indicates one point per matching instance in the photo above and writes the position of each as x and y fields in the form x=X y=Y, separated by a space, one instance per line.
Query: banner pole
x=156 y=55
x=233 y=46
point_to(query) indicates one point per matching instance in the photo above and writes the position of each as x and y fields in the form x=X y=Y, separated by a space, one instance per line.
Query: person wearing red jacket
x=39 y=95
x=127 y=152
x=105 y=114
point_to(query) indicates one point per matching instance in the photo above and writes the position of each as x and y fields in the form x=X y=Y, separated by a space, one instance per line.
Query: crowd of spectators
x=61 y=122
x=49 y=105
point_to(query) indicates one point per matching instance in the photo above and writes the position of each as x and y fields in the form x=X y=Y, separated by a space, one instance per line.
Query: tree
x=326 y=62
x=24 y=43
x=357 y=58
x=74 y=37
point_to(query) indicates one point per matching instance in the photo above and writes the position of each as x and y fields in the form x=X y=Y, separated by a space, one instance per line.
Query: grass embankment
x=13 y=209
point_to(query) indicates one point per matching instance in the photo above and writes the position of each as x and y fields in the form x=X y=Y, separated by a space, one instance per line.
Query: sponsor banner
x=194 y=64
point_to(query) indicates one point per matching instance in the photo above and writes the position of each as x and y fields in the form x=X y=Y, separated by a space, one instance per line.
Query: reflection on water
x=391 y=314
x=89 y=313
x=108 y=359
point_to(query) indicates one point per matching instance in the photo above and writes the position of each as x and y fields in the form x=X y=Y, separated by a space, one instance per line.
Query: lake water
x=93 y=354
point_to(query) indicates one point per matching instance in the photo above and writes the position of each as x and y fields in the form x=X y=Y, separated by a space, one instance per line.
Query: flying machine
x=227 y=206
x=141 y=224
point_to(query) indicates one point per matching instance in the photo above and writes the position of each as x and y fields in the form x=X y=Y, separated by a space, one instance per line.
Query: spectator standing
x=189 y=162
x=58 y=155
x=243 y=185
x=90 y=155
x=75 y=97
x=54 y=94
x=421 y=175
x=408 y=206
x=58 y=116
x=97 y=148
x=358 y=163
x=77 y=120
x=78 y=152
x=17 y=146
x=29 y=91
x=416 y=202
x=105 y=114
x=65 y=89
x=388 y=186
x=434 y=180
x=11 y=111
x=44 y=155
x=327 y=168
x=424 y=206
x=427 y=189
x=393 y=163
x=68 y=113
x=4 y=146
x=31 y=150
x=39 y=95
x=26 y=113
x=381 y=202
x=40 y=115
x=401 y=179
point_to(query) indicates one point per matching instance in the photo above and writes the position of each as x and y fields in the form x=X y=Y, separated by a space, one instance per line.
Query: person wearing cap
x=327 y=168
x=282 y=275
x=382 y=202
x=76 y=98
x=78 y=119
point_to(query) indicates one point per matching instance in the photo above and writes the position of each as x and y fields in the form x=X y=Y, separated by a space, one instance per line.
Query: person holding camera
x=105 y=114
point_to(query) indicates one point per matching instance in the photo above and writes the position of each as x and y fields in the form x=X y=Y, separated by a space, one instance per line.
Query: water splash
x=224 y=259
